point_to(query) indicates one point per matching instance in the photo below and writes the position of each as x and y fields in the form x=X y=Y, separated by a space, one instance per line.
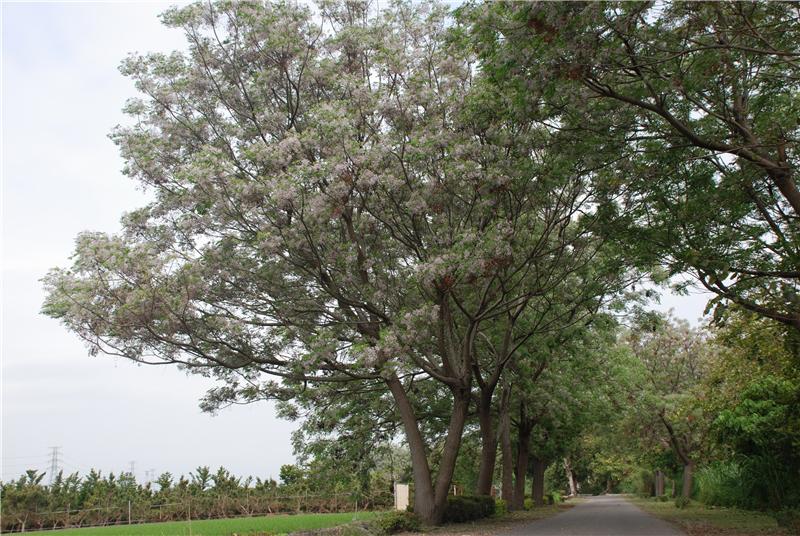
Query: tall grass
x=749 y=482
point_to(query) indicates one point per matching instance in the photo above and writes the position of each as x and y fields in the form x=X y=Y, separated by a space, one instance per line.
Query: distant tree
x=674 y=359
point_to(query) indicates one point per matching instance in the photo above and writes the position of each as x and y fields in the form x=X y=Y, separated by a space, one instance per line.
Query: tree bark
x=659 y=483
x=424 y=503
x=430 y=501
x=452 y=444
x=537 y=489
x=573 y=485
x=507 y=492
x=688 y=475
x=523 y=454
x=488 y=443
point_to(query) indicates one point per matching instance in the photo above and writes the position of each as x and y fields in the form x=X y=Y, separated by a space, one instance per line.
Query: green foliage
x=500 y=508
x=396 y=521
x=726 y=484
x=528 y=504
x=553 y=497
x=463 y=508
x=102 y=499
x=682 y=502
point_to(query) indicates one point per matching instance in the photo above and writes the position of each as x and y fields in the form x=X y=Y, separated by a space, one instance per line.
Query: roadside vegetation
x=697 y=519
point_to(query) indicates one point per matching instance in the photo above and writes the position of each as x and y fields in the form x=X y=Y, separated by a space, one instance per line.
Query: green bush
x=468 y=508
x=500 y=508
x=528 y=504
x=662 y=498
x=553 y=497
x=682 y=502
x=397 y=521
x=725 y=484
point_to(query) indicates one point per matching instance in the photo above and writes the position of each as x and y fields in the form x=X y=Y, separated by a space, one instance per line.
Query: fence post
x=66 y=521
x=129 y=511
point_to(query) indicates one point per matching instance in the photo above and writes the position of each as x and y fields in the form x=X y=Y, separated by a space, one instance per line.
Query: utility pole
x=55 y=462
x=133 y=468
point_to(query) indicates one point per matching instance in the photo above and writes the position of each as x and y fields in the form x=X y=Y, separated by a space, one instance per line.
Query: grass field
x=276 y=524
x=700 y=520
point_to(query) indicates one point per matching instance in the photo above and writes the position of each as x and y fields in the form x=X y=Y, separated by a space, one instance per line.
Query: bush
x=662 y=498
x=468 y=508
x=397 y=521
x=682 y=502
x=528 y=504
x=553 y=497
x=500 y=508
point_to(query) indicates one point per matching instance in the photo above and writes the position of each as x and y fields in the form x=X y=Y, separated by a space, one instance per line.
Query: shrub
x=662 y=498
x=500 y=508
x=553 y=497
x=528 y=504
x=682 y=502
x=726 y=484
x=397 y=521
x=468 y=508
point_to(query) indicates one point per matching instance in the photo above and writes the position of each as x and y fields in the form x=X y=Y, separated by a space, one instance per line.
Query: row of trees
x=98 y=499
x=719 y=403
x=399 y=220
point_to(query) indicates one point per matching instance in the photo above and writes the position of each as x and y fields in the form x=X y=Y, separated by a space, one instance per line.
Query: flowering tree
x=330 y=208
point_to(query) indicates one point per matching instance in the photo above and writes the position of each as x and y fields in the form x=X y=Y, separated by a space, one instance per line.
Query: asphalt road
x=608 y=515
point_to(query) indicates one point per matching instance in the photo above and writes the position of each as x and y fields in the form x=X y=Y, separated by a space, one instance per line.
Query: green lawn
x=700 y=520
x=275 y=524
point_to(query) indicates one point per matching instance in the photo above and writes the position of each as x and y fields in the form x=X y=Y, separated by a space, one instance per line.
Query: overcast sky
x=61 y=95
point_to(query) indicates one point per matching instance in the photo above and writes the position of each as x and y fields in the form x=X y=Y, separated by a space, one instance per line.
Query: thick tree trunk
x=573 y=485
x=523 y=454
x=429 y=500
x=507 y=492
x=538 y=481
x=688 y=475
x=488 y=443
x=424 y=503
x=452 y=444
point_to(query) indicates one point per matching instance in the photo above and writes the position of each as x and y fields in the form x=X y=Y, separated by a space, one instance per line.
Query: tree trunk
x=507 y=492
x=423 y=485
x=523 y=453
x=452 y=444
x=659 y=483
x=488 y=443
x=688 y=470
x=429 y=501
x=573 y=485
x=538 y=481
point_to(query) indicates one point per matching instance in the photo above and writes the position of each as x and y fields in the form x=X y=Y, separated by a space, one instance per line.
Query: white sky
x=61 y=95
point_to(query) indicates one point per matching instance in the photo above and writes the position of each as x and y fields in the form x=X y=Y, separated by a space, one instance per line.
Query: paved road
x=608 y=515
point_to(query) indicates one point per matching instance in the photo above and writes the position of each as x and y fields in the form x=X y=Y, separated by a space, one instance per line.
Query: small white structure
x=401 y=496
